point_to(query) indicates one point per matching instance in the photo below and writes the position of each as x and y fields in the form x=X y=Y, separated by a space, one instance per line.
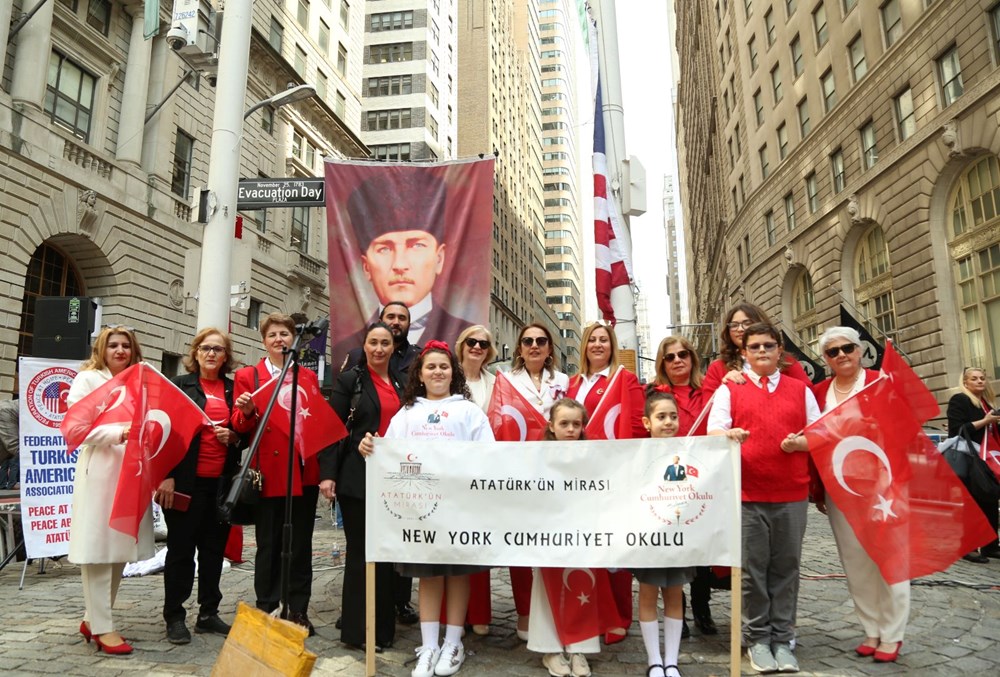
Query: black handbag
x=962 y=454
x=244 y=489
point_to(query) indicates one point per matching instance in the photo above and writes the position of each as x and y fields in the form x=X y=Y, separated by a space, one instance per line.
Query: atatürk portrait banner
x=415 y=233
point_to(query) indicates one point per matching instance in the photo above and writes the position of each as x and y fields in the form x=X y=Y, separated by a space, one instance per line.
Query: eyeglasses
x=540 y=341
x=745 y=324
x=472 y=343
x=847 y=349
x=766 y=347
x=679 y=355
x=215 y=350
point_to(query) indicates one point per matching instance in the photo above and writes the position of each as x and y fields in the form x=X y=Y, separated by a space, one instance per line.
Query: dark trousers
x=199 y=528
x=990 y=509
x=402 y=589
x=269 y=521
x=701 y=592
x=352 y=623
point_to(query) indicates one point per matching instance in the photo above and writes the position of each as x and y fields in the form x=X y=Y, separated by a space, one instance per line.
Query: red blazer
x=273 y=451
x=817 y=492
x=638 y=397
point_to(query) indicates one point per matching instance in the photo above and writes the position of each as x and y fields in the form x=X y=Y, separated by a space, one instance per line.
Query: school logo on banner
x=411 y=493
x=676 y=495
x=47 y=393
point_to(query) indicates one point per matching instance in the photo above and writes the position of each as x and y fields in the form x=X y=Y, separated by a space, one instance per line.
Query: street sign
x=262 y=193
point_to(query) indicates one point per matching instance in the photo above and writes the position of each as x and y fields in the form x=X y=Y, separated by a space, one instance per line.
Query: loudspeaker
x=63 y=325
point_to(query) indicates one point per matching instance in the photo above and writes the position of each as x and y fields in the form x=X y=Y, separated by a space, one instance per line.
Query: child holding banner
x=437 y=405
x=661 y=420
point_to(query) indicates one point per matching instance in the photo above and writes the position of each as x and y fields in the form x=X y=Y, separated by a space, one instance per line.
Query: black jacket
x=962 y=412
x=185 y=472
x=343 y=463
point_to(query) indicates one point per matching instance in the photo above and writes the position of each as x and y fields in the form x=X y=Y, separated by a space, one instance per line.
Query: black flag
x=814 y=370
x=871 y=349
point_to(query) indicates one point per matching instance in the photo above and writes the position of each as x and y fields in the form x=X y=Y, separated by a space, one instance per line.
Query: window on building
x=391 y=52
x=950 y=76
x=254 y=311
x=873 y=283
x=302 y=14
x=758 y=106
x=995 y=31
x=776 y=83
x=180 y=181
x=797 y=63
x=790 y=7
x=267 y=119
x=341 y=59
x=747 y=8
x=769 y=228
x=741 y=186
x=769 y=25
x=819 y=25
x=388 y=86
x=388 y=119
x=393 y=151
x=300 y=61
x=752 y=48
x=746 y=249
x=869 y=148
x=322 y=85
x=345 y=14
x=277 y=36
x=829 y=90
x=69 y=96
x=736 y=137
x=782 y=141
x=849 y=5
x=790 y=211
x=99 y=15
x=299 y=235
x=892 y=22
x=324 y=37
x=803 y=111
x=804 y=316
x=906 y=121
x=859 y=66
x=340 y=105
x=50 y=273
x=837 y=172
x=812 y=193
x=391 y=21
x=765 y=166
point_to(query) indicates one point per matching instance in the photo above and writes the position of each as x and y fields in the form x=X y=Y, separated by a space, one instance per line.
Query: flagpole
x=868 y=320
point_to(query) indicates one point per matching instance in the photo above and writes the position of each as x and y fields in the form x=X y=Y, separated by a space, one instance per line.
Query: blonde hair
x=585 y=361
x=662 y=379
x=191 y=359
x=466 y=333
x=96 y=361
x=988 y=394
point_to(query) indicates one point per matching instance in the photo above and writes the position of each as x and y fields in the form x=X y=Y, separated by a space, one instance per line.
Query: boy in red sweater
x=766 y=414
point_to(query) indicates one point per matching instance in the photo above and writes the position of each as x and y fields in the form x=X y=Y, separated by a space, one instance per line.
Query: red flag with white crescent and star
x=908 y=509
x=164 y=421
x=317 y=425
x=612 y=419
x=581 y=601
x=513 y=418
x=108 y=404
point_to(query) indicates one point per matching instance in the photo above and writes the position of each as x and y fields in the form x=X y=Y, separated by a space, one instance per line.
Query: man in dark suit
x=675 y=471
x=397 y=316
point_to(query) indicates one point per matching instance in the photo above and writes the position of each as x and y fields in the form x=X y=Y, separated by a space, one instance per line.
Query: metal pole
x=224 y=167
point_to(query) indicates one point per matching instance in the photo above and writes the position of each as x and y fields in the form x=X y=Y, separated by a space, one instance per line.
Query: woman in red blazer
x=278 y=333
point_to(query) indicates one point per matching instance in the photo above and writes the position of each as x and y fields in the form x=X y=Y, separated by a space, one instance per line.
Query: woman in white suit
x=101 y=551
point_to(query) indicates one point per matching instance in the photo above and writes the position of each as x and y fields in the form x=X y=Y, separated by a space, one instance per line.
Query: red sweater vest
x=769 y=474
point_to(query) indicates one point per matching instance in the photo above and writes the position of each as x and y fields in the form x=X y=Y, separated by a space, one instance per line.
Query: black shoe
x=993 y=552
x=300 y=618
x=685 y=630
x=706 y=624
x=177 y=633
x=212 y=624
x=406 y=614
x=337 y=623
x=976 y=557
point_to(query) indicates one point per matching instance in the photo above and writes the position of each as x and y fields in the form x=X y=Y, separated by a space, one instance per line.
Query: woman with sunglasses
x=731 y=367
x=535 y=377
x=882 y=608
x=192 y=523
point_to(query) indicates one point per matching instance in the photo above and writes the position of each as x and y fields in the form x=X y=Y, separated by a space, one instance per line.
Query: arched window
x=804 y=318
x=50 y=273
x=975 y=248
x=873 y=283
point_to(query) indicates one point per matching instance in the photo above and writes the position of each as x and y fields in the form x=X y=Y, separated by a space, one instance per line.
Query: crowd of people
x=387 y=385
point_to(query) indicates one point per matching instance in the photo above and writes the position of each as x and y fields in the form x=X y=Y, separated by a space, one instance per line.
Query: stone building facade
x=845 y=152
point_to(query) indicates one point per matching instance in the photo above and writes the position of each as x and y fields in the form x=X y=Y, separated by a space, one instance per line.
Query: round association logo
x=47 y=393
x=676 y=499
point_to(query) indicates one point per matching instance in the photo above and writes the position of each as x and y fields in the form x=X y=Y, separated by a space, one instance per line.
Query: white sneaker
x=580 y=666
x=451 y=659
x=427 y=658
x=557 y=664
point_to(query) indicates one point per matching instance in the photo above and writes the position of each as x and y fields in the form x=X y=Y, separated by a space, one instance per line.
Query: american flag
x=52 y=397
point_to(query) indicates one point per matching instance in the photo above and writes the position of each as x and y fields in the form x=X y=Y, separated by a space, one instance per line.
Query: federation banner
x=557 y=504
x=47 y=471
x=417 y=234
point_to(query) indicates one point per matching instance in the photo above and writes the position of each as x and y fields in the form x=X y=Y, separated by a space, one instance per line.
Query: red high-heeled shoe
x=118 y=650
x=613 y=637
x=888 y=656
x=85 y=631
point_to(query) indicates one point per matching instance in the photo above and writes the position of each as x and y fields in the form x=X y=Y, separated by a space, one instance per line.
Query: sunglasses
x=766 y=347
x=528 y=341
x=215 y=350
x=745 y=324
x=679 y=355
x=847 y=349
x=472 y=343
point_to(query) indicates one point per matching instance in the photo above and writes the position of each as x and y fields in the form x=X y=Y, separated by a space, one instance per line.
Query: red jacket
x=272 y=454
x=718 y=369
x=594 y=397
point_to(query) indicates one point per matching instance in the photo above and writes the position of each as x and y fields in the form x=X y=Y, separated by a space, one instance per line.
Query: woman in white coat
x=101 y=551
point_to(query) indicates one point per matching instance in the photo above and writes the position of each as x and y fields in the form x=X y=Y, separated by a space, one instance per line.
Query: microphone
x=314 y=328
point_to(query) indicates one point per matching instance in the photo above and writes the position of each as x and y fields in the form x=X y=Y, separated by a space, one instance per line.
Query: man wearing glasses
x=775 y=490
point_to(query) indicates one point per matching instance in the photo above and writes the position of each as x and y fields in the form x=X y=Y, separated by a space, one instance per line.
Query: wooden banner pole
x=736 y=621
x=370 y=619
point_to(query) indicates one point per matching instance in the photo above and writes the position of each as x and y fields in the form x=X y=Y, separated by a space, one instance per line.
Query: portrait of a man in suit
x=675 y=471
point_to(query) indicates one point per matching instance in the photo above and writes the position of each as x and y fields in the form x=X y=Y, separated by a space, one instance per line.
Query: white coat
x=91 y=540
x=554 y=387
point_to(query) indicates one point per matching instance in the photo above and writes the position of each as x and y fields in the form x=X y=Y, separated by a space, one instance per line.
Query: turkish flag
x=908 y=386
x=612 y=419
x=164 y=421
x=512 y=417
x=581 y=601
x=109 y=404
x=909 y=511
x=317 y=425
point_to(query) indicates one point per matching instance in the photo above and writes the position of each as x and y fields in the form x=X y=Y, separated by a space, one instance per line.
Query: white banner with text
x=624 y=503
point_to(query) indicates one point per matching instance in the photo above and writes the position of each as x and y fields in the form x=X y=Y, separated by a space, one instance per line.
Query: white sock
x=651 y=640
x=453 y=634
x=429 y=633
x=672 y=628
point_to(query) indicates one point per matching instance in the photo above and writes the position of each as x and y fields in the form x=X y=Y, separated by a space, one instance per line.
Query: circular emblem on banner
x=47 y=393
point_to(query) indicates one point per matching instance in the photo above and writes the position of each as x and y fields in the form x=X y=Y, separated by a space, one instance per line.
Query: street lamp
x=290 y=95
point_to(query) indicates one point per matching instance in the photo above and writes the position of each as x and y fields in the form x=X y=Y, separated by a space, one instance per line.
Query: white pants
x=883 y=609
x=100 y=587
x=542 y=635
